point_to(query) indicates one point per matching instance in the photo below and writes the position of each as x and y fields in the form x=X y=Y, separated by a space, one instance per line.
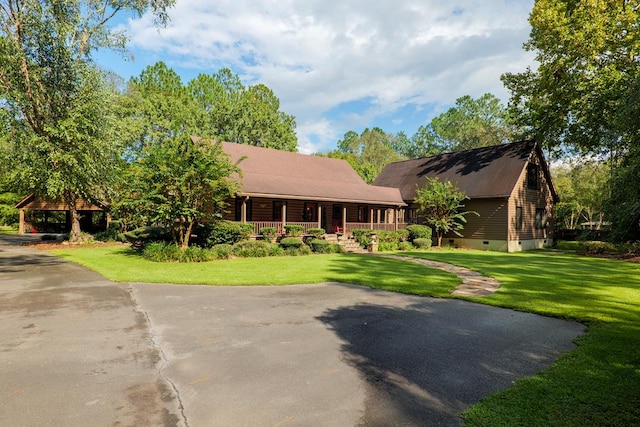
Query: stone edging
x=473 y=283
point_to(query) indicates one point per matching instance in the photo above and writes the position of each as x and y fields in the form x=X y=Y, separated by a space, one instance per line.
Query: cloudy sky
x=342 y=65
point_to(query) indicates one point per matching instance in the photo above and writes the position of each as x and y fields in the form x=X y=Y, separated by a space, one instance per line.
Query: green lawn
x=121 y=264
x=5 y=229
x=598 y=384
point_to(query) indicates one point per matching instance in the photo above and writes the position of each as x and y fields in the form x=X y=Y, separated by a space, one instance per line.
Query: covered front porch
x=334 y=217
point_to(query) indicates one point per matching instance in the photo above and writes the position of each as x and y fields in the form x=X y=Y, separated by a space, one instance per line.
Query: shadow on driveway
x=431 y=360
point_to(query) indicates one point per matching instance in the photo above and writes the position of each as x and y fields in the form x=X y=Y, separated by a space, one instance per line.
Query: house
x=39 y=215
x=509 y=186
x=281 y=187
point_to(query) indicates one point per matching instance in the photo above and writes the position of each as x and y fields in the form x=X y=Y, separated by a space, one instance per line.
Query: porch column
x=284 y=215
x=396 y=212
x=21 y=225
x=378 y=216
x=371 y=218
x=344 y=219
x=243 y=210
x=319 y=216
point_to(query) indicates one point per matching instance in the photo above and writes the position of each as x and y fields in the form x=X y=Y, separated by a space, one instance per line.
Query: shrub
x=417 y=231
x=269 y=233
x=197 y=254
x=320 y=246
x=317 y=232
x=252 y=249
x=162 y=252
x=294 y=230
x=217 y=233
x=144 y=235
x=276 y=250
x=392 y=236
x=405 y=246
x=596 y=247
x=362 y=236
x=291 y=242
x=387 y=246
x=222 y=251
x=422 y=243
x=293 y=251
x=110 y=235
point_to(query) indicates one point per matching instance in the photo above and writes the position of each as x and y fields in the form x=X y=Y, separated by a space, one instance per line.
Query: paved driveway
x=77 y=349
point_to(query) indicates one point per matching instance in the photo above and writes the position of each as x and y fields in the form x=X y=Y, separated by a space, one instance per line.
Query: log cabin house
x=281 y=187
x=509 y=186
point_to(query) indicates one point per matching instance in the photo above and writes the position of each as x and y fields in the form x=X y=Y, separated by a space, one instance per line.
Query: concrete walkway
x=473 y=284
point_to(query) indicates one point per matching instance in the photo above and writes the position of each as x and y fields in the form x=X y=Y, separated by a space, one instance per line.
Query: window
x=277 y=209
x=541 y=219
x=533 y=176
x=310 y=212
x=518 y=217
x=362 y=213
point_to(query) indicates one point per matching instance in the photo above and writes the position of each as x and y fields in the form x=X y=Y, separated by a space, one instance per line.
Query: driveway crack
x=164 y=361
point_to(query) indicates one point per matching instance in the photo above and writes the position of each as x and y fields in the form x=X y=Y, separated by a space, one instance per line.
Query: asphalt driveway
x=77 y=350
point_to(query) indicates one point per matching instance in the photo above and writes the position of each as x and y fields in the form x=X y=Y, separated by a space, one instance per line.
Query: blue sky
x=341 y=65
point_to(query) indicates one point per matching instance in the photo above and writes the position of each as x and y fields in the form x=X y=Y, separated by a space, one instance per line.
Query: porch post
x=344 y=219
x=396 y=212
x=378 y=216
x=371 y=218
x=319 y=216
x=21 y=225
x=243 y=210
x=284 y=215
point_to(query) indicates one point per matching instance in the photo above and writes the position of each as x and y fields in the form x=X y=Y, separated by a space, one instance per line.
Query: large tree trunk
x=71 y=201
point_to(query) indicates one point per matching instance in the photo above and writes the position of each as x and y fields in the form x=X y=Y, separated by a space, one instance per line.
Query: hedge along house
x=280 y=188
x=509 y=186
x=46 y=216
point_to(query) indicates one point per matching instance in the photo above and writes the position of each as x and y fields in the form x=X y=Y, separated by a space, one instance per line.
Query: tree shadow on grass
x=425 y=363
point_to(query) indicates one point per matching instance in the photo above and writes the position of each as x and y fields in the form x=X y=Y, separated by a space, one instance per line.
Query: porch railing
x=368 y=226
x=350 y=226
x=257 y=225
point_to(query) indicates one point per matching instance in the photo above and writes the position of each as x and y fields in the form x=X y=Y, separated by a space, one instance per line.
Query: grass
x=7 y=229
x=121 y=264
x=598 y=383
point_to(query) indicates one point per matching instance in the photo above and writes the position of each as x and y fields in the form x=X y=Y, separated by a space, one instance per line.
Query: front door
x=337 y=219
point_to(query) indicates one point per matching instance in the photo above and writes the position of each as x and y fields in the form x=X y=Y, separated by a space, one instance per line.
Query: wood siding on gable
x=530 y=199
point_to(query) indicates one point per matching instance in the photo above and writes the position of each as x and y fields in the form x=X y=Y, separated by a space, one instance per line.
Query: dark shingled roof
x=282 y=174
x=481 y=173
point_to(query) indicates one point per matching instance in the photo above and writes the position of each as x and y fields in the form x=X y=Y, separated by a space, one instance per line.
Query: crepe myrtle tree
x=441 y=205
x=182 y=181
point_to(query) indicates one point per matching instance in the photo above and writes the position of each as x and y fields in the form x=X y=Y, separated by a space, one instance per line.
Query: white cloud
x=318 y=55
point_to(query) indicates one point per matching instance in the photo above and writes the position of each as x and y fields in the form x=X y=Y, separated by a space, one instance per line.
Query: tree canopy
x=54 y=102
x=585 y=92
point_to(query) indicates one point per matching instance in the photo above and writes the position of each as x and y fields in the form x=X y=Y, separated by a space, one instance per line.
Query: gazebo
x=52 y=216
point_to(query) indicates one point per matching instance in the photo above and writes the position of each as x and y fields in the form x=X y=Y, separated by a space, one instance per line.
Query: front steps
x=348 y=243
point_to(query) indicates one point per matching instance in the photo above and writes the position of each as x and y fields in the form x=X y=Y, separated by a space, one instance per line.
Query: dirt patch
x=620 y=257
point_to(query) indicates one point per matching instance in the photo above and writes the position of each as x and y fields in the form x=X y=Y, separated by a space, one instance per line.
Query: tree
x=368 y=153
x=440 y=204
x=585 y=93
x=472 y=123
x=180 y=182
x=585 y=89
x=53 y=98
x=623 y=207
x=583 y=188
x=244 y=115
